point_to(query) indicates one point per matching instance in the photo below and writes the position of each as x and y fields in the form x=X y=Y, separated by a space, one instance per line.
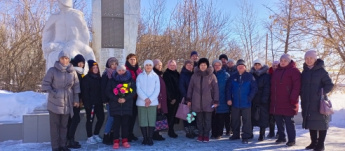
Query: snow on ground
x=14 y=105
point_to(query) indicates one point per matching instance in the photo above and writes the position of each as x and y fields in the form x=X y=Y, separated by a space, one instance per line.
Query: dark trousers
x=236 y=114
x=204 y=120
x=73 y=123
x=289 y=122
x=272 y=124
x=227 y=122
x=99 y=113
x=58 y=129
x=172 y=109
x=132 y=119
x=121 y=122
x=218 y=123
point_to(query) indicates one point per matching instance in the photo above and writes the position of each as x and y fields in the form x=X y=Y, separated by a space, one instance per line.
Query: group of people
x=224 y=94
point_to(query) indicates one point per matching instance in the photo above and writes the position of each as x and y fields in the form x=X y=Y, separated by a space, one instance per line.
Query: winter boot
x=156 y=136
x=73 y=144
x=321 y=141
x=106 y=139
x=191 y=131
x=150 y=134
x=125 y=143
x=116 y=144
x=313 y=138
x=144 y=132
x=172 y=133
x=131 y=138
x=188 y=134
x=195 y=131
x=262 y=134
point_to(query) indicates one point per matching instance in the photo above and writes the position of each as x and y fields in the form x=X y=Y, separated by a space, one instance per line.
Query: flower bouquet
x=191 y=117
x=122 y=89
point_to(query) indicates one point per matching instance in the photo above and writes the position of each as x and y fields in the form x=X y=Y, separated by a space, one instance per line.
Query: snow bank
x=14 y=105
x=338 y=102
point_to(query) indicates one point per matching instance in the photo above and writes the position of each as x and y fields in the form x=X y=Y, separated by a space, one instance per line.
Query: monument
x=68 y=31
x=115 y=29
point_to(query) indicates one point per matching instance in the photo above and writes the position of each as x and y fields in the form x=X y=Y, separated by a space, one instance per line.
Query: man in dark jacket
x=241 y=89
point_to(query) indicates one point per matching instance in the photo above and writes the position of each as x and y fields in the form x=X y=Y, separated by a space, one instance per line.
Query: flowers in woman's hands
x=191 y=117
x=122 y=89
x=116 y=91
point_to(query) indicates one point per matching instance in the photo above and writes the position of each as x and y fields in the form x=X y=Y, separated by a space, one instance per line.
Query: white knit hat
x=148 y=62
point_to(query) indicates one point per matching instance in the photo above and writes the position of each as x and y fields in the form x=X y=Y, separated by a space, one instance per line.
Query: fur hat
x=223 y=56
x=240 y=62
x=311 y=53
x=78 y=58
x=286 y=57
x=203 y=60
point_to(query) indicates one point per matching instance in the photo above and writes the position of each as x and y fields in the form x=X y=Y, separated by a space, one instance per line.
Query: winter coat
x=104 y=83
x=241 y=90
x=171 y=79
x=203 y=90
x=260 y=103
x=184 y=81
x=222 y=78
x=162 y=97
x=135 y=71
x=148 y=86
x=63 y=87
x=232 y=70
x=92 y=94
x=285 y=89
x=116 y=108
x=312 y=81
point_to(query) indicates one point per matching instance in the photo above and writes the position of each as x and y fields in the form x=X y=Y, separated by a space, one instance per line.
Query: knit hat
x=286 y=57
x=63 y=54
x=188 y=62
x=91 y=63
x=203 y=60
x=148 y=62
x=240 y=62
x=121 y=67
x=223 y=56
x=216 y=61
x=311 y=53
x=259 y=61
x=231 y=60
x=193 y=53
x=78 y=58
x=156 y=61
x=110 y=61
x=275 y=62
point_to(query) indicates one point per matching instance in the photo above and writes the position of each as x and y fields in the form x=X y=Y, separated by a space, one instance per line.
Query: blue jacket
x=184 y=81
x=241 y=89
x=222 y=77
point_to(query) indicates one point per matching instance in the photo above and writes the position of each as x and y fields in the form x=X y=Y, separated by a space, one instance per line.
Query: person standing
x=260 y=103
x=186 y=74
x=232 y=69
x=92 y=99
x=171 y=78
x=224 y=59
x=121 y=103
x=148 y=87
x=314 y=78
x=194 y=57
x=133 y=67
x=62 y=84
x=110 y=68
x=162 y=97
x=203 y=97
x=285 y=89
x=221 y=114
x=272 y=121
x=78 y=63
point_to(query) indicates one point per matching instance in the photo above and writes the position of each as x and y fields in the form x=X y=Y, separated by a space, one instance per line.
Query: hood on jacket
x=318 y=65
x=263 y=70
x=208 y=71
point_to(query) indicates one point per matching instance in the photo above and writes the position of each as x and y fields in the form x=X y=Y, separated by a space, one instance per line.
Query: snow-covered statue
x=66 y=30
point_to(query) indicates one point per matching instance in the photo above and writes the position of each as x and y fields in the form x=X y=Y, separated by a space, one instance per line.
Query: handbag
x=325 y=105
x=161 y=122
x=182 y=111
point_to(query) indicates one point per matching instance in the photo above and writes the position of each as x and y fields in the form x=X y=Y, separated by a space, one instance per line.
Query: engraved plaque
x=112 y=24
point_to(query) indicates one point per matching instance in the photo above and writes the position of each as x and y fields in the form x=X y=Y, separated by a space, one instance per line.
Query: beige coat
x=63 y=88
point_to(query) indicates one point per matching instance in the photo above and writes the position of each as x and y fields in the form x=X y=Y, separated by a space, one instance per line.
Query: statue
x=68 y=31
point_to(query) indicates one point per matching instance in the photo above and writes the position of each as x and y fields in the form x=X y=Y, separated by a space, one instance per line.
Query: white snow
x=14 y=105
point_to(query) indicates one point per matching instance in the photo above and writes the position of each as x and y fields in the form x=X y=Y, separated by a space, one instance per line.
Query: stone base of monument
x=35 y=128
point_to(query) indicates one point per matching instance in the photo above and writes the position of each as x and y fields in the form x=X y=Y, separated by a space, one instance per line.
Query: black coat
x=184 y=81
x=116 y=108
x=91 y=88
x=312 y=81
x=104 y=83
x=260 y=102
x=171 y=79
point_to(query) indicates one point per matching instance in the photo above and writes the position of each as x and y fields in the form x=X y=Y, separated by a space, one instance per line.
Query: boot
x=321 y=141
x=150 y=134
x=125 y=143
x=73 y=144
x=172 y=133
x=313 y=138
x=272 y=127
x=131 y=137
x=144 y=132
x=191 y=131
x=116 y=144
x=188 y=134
x=106 y=139
x=195 y=131
x=157 y=136
x=262 y=134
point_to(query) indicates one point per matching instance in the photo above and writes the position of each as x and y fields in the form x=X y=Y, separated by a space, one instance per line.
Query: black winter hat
x=78 y=58
x=193 y=53
x=203 y=60
x=223 y=56
x=240 y=62
x=91 y=63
